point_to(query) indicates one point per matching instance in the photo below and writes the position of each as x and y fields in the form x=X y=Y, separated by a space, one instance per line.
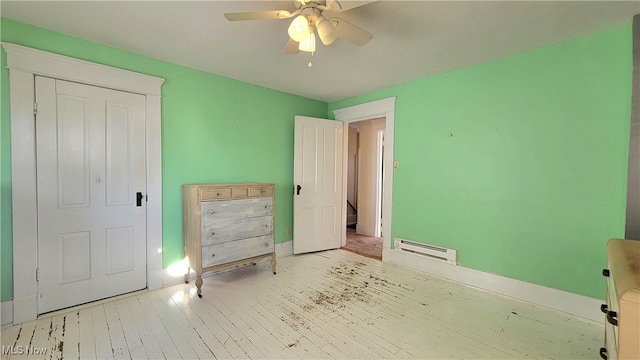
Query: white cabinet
x=227 y=226
x=622 y=309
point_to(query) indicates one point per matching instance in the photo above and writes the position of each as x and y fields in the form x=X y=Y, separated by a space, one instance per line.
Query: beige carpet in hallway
x=364 y=245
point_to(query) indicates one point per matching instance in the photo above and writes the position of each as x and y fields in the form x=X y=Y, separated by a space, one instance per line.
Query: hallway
x=363 y=245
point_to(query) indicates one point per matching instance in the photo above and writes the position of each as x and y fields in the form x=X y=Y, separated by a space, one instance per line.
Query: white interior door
x=318 y=176
x=90 y=168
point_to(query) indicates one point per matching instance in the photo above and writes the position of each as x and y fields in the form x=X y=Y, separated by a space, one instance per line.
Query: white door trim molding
x=6 y=312
x=24 y=64
x=381 y=108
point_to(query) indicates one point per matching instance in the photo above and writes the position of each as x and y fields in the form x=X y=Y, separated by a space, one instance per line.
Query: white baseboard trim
x=25 y=309
x=578 y=305
x=155 y=279
x=169 y=278
x=6 y=312
x=284 y=249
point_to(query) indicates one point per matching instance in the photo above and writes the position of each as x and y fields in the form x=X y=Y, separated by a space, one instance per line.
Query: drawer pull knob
x=213 y=233
x=217 y=194
x=605 y=272
x=604 y=308
x=603 y=353
x=213 y=255
x=611 y=318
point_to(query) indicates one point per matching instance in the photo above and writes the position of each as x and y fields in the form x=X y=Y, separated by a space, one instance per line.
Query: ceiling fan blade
x=292 y=47
x=259 y=15
x=351 y=33
x=345 y=5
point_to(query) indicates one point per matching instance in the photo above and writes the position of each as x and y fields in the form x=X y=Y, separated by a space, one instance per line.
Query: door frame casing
x=24 y=64
x=376 y=109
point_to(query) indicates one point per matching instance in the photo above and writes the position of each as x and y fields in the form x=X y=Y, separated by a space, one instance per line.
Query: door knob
x=298 y=188
x=139 y=197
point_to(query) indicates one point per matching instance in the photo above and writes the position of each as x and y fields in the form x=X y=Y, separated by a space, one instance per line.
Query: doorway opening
x=365 y=184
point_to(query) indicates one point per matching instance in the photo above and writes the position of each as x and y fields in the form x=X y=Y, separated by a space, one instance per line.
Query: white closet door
x=90 y=167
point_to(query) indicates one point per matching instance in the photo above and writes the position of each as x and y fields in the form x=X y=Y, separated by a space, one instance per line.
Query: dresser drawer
x=207 y=194
x=213 y=211
x=215 y=232
x=236 y=250
x=260 y=191
x=240 y=192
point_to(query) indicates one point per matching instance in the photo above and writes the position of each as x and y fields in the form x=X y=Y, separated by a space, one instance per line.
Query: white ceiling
x=412 y=39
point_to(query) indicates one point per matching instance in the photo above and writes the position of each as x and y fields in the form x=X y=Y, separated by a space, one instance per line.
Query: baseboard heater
x=430 y=251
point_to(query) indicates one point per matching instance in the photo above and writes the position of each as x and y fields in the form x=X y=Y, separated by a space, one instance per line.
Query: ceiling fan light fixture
x=299 y=28
x=326 y=30
x=308 y=44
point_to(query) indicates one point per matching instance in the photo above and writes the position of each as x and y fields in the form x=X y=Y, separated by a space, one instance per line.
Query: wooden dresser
x=622 y=322
x=225 y=226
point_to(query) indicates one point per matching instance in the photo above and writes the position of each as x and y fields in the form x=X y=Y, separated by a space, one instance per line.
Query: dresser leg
x=199 y=285
x=273 y=263
x=186 y=275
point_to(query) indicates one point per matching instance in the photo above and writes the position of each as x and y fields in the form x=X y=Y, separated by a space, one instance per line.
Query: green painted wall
x=519 y=163
x=214 y=129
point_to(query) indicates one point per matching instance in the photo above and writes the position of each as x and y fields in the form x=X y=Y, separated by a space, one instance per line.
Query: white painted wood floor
x=332 y=304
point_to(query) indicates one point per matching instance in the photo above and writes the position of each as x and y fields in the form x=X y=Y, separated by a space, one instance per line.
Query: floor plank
x=87 y=335
x=40 y=339
x=71 y=339
x=102 y=338
x=174 y=323
x=119 y=346
x=55 y=343
x=131 y=335
x=157 y=327
x=143 y=327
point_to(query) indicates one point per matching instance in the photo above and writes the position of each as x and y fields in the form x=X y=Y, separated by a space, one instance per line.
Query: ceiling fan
x=308 y=19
